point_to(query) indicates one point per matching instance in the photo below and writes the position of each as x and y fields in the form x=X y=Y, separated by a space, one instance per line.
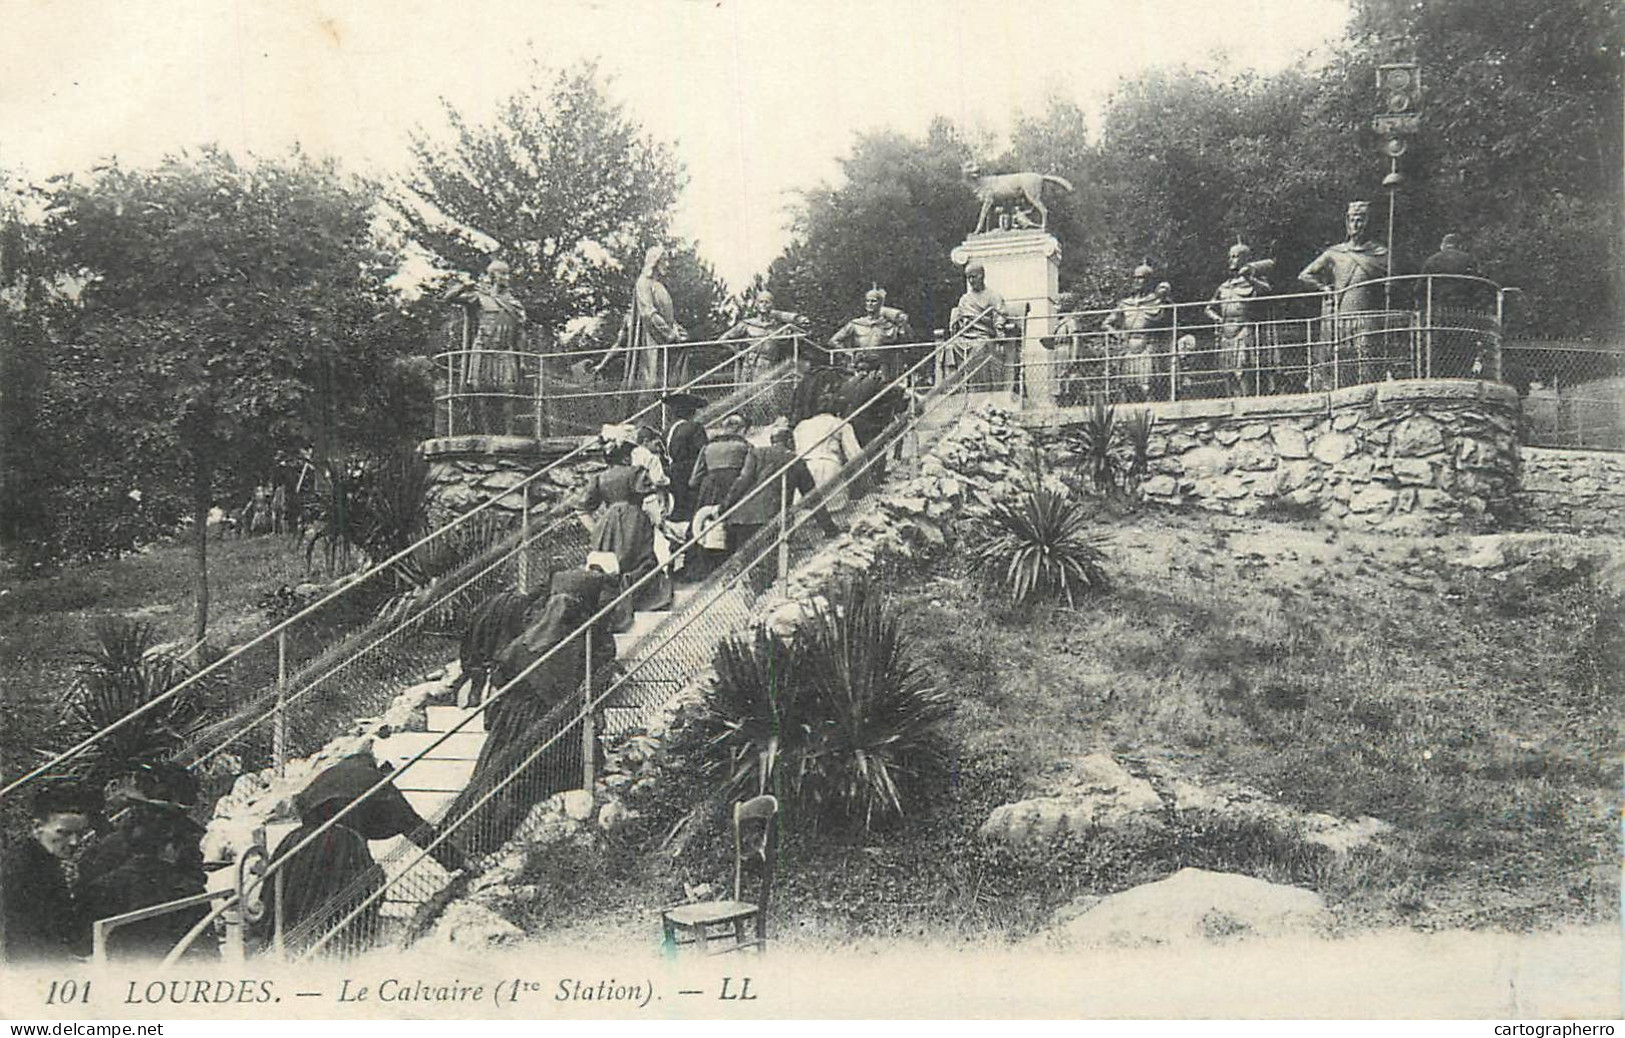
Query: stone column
x=1025 y=268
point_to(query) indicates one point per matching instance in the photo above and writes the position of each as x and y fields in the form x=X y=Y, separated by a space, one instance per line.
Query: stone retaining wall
x=1415 y=455
x=1573 y=490
x=467 y=470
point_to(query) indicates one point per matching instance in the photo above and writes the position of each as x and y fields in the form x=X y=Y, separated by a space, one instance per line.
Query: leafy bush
x=122 y=672
x=1040 y=547
x=838 y=720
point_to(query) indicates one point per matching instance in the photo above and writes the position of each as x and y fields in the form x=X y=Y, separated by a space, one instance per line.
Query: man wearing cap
x=492 y=368
x=1345 y=272
x=981 y=316
x=877 y=327
x=1137 y=329
x=1235 y=308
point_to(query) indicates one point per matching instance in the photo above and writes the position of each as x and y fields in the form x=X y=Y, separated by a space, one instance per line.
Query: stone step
x=403 y=746
x=438 y=775
x=444 y=718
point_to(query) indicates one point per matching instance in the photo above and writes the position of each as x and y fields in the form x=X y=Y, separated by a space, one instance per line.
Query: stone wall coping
x=526 y=447
x=1558 y=454
x=1441 y=389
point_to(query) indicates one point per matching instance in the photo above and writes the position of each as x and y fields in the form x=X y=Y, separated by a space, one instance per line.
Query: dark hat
x=684 y=403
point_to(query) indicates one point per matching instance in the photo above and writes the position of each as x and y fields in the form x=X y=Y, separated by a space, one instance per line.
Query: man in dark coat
x=684 y=441
x=1454 y=347
x=43 y=922
x=712 y=480
x=758 y=490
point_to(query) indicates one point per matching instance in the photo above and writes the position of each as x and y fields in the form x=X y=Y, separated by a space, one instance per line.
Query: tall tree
x=25 y=451
x=212 y=298
x=893 y=222
x=559 y=182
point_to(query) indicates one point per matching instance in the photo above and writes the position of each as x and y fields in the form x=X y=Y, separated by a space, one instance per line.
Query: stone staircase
x=434 y=781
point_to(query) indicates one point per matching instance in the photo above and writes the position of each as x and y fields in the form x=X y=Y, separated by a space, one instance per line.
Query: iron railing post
x=784 y=525
x=279 y=730
x=524 y=539
x=1173 y=360
x=589 y=742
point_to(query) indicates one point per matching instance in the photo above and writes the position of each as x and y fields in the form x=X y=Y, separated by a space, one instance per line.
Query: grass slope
x=1478 y=712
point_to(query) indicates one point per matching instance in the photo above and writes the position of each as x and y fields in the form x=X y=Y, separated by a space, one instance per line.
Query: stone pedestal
x=1025 y=268
x=465 y=471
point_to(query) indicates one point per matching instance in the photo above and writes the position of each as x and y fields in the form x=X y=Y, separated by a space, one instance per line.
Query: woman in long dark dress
x=518 y=720
x=335 y=874
x=623 y=528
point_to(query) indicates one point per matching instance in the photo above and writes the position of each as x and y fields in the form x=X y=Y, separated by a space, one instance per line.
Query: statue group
x=1145 y=348
x=1245 y=340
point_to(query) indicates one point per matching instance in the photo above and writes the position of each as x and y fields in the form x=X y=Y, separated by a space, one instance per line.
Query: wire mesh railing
x=1573 y=393
x=538 y=746
x=542 y=394
x=1150 y=348
x=339 y=658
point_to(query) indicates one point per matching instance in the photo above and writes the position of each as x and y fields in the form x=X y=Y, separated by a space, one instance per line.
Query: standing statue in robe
x=657 y=360
x=1350 y=347
x=1237 y=306
x=491 y=368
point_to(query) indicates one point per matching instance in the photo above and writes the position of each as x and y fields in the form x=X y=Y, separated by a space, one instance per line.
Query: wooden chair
x=715 y=921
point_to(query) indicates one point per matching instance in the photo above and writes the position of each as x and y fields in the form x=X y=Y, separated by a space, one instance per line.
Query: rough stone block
x=1228 y=437
x=1254 y=455
x=1416 y=436
x=1254 y=430
x=1161 y=486
x=1205 y=461
x=1334 y=447
x=1414 y=472
x=1372 y=499
x=1289 y=442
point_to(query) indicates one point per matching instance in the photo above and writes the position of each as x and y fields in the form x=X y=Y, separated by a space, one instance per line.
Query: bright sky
x=759 y=97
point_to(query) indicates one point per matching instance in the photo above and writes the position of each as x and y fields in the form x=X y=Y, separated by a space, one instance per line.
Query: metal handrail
x=322 y=602
x=586 y=627
x=627 y=595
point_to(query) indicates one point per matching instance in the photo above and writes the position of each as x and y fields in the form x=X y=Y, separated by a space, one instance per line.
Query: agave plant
x=1040 y=546
x=1097 y=432
x=1137 y=430
x=838 y=720
x=752 y=711
x=878 y=741
x=122 y=672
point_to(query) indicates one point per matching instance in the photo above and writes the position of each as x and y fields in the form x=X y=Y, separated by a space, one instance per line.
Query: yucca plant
x=752 y=712
x=878 y=744
x=838 y=721
x=1096 y=433
x=1040 y=546
x=119 y=674
x=1137 y=431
